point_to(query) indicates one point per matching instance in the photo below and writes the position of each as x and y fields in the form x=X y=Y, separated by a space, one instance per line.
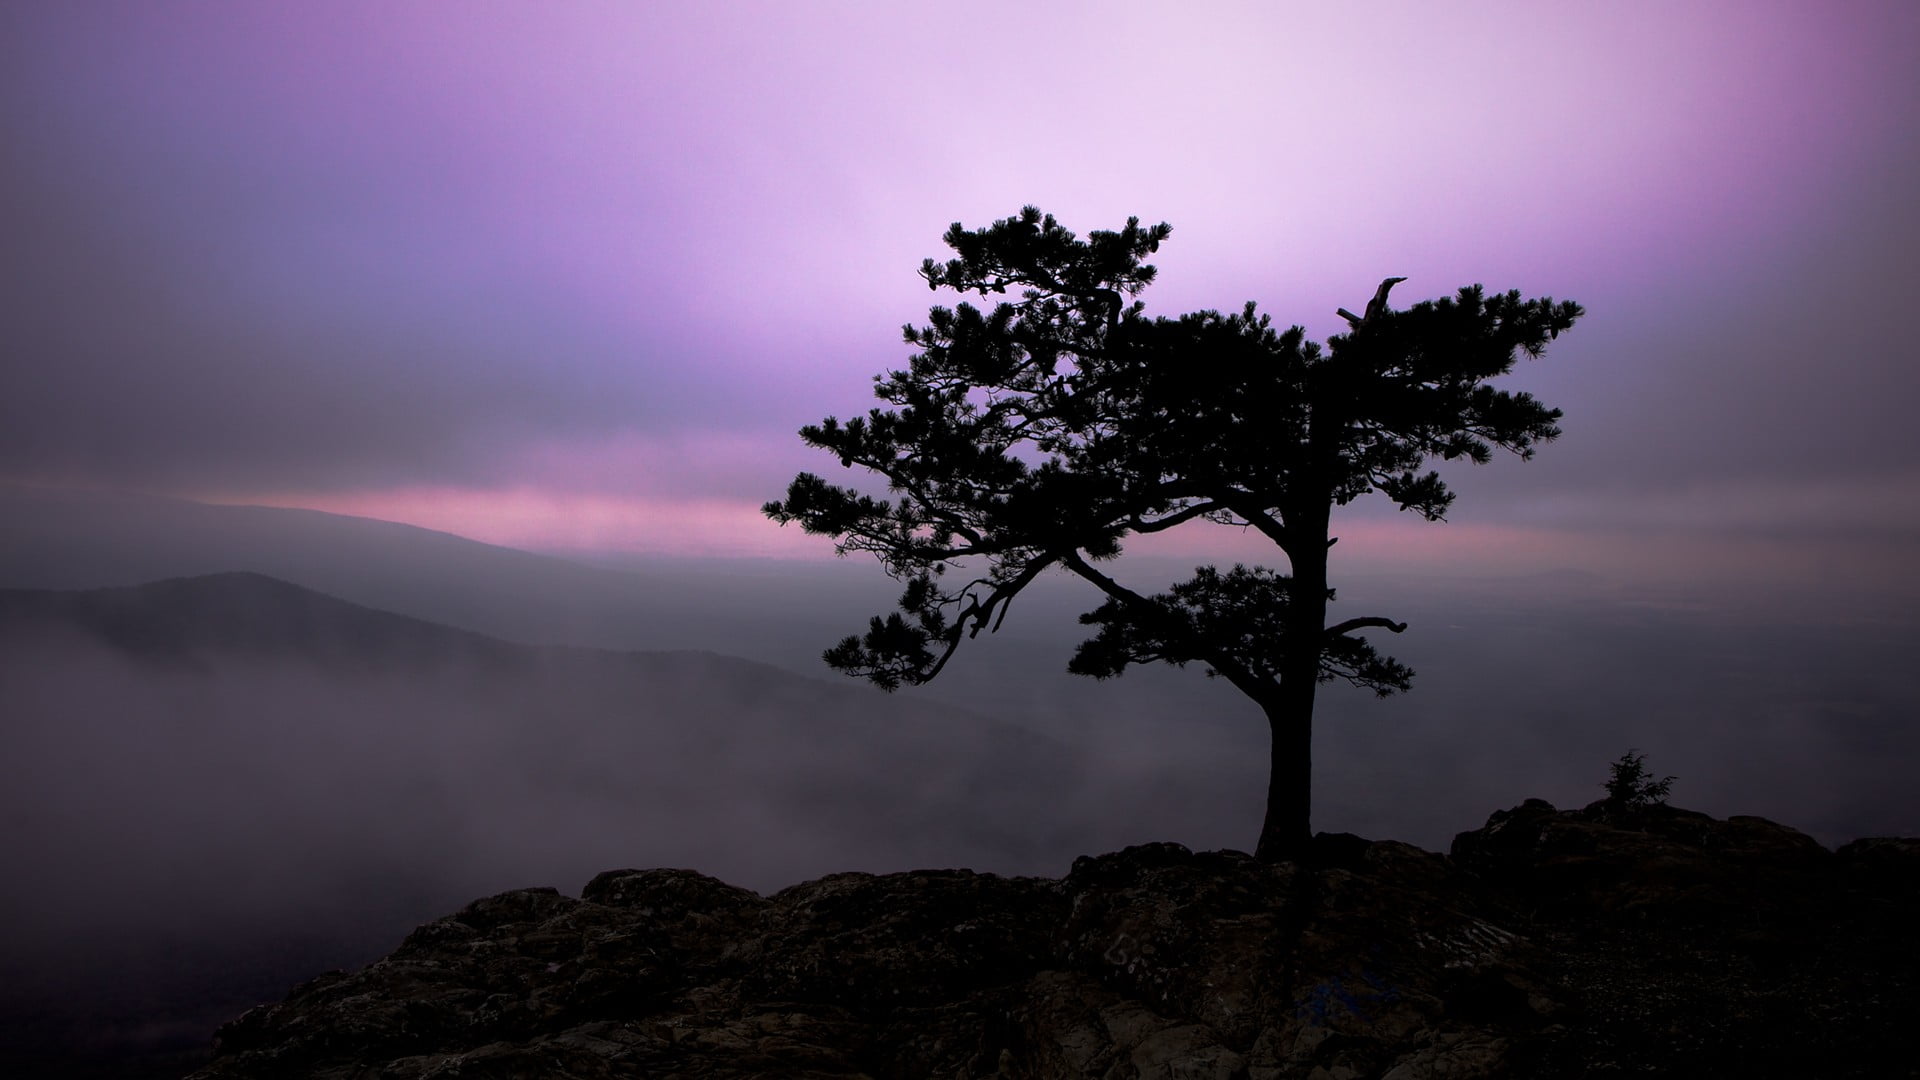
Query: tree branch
x=1371 y=620
x=1242 y=679
x=1374 y=307
x=1271 y=529
x=1177 y=518
x=1072 y=561
x=979 y=614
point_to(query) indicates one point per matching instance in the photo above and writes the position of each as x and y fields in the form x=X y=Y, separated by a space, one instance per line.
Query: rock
x=1684 y=943
x=1551 y=940
x=1655 y=863
x=1887 y=865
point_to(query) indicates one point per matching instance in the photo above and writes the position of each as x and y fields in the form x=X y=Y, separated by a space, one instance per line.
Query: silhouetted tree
x=1044 y=431
x=1632 y=786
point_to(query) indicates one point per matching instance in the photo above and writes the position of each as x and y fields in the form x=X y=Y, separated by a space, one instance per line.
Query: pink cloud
x=570 y=522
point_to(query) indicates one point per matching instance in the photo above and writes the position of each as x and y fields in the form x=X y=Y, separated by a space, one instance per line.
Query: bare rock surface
x=1550 y=943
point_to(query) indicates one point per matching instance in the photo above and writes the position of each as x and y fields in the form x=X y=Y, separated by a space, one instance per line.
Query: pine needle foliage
x=1043 y=431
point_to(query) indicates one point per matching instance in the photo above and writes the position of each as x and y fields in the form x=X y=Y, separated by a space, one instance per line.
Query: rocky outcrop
x=1550 y=943
x=1696 y=946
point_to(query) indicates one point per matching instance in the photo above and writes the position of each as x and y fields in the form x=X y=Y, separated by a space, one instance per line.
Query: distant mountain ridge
x=51 y=539
x=347 y=798
x=781 y=612
x=295 y=779
x=245 y=613
x=256 y=616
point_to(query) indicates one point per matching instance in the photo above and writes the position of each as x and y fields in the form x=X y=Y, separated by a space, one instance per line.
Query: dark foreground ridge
x=1550 y=943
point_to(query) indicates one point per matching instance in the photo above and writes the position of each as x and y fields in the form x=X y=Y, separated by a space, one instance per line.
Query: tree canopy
x=1045 y=430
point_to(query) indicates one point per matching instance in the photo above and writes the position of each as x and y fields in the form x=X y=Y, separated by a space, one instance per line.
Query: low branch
x=1004 y=594
x=981 y=614
x=1358 y=624
x=1072 y=561
x=1242 y=679
x=1263 y=521
x=1179 y=518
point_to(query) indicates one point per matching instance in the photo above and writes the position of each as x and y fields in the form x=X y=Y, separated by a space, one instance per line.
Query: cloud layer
x=356 y=253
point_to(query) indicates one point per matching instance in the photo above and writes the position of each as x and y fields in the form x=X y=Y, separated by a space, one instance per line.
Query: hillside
x=71 y=540
x=244 y=616
x=288 y=780
x=1518 y=675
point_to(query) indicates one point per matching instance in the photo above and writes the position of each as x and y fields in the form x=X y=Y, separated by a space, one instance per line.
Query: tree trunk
x=1288 y=829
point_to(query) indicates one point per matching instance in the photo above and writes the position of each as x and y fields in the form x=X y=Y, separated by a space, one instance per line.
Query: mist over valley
x=245 y=744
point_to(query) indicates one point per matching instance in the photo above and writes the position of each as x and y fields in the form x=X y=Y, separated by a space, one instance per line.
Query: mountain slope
x=243 y=614
x=231 y=638
x=286 y=779
x=52 y=539
x=778 y=612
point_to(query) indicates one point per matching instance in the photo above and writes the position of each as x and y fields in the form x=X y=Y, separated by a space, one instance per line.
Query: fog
x=196 y=821
x=575 y=276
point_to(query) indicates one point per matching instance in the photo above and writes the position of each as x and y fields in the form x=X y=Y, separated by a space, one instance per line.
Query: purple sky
x=570 y=276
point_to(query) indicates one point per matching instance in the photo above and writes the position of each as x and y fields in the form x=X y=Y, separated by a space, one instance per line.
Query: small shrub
x=1633 y=786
